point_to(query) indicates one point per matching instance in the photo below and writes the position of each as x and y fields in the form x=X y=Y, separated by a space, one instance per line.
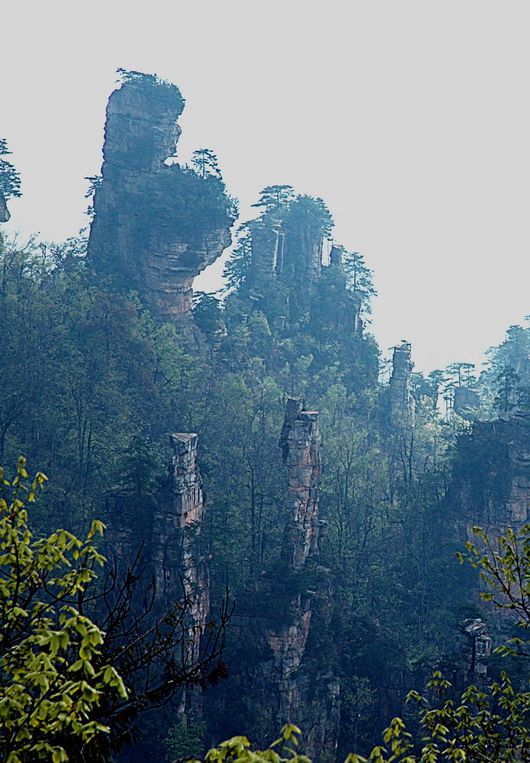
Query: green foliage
x=359 y=279
x=238 y=750
x=238 y=266
x=9 y=177
x=53 y=677
x=461 y=374
x=207 y=314
x=100 y=385
x=505 y=384
x=205 y=164
x=185 y=739
x=99 y=371
x=313 y=212
x=489 y=724
x=94 y=182
x=504 y=569
x=274 y=197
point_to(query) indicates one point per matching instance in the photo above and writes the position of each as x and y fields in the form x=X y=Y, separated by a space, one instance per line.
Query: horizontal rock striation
x=156 y=224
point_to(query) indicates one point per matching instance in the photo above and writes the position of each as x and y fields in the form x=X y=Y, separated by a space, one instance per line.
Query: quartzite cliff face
x=156 y=225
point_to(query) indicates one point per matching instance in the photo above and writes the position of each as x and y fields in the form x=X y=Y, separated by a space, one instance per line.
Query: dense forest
x=283 y=507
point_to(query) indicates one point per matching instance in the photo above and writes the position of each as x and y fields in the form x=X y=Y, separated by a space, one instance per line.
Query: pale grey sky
x=409 y=117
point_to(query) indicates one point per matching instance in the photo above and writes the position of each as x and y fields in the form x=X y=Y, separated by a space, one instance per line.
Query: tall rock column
x=283 y=668
x=401 y=400
x=300 y=444
x=176 y=542
x=308 y=694
x=156 y=224
x=167 y=529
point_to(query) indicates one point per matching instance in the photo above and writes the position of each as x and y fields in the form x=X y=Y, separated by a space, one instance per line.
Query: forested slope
x=336 y=497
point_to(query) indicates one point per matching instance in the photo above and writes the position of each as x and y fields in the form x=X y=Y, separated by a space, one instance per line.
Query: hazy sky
x=409 y=117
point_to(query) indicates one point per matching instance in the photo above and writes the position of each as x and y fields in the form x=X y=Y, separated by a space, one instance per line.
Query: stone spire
x=401 y=400
x=303 y=695
x=300 y=444
x=156 y=225
x=177 y=557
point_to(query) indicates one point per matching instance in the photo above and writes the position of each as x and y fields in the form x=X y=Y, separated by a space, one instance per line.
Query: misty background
x=408 y=118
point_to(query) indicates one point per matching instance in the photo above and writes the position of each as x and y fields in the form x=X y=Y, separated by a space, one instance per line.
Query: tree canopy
x=10 y=185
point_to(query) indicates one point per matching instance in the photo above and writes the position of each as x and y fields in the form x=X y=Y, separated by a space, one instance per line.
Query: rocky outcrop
x=178 y=561
x=307 y=693
x=285 y=673
x=4 y=212
x=166 y=529
x=156 y=224
x=287 y=246
x=466 y=403
x=401 y=400
x=268 y=247
x=300 y=444
x=491 y=485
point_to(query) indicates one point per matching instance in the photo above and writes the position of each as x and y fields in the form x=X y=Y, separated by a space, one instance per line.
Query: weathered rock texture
x=491 y=486
x=287 y=247
x=156 y=226
x=307 y=694
x=286 y=673
x=300 y=444
x=466 y=403
x=176 y=541
x=286 y=257
x=401 y=400
x=168 y=528
x=4 y=212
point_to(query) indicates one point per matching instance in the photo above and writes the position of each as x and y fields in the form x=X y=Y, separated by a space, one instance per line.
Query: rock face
x=466 y=403
x=286 y=674
x=300 y=444
x=306 y=692
x=268 y=246
x=401 y=400
x=4 y=212
x=291 y=680
x=176 y=540
x=287 y=246
x=169 y=525
x=492 y=474
x=156 y=225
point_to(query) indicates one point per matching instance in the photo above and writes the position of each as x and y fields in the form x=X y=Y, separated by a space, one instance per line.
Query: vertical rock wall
x=156 y=225
x=401 y=400
x=307 y=693
x=300 y=444
x=491 y=482
x=167 y=527
x=287 y=247
x=176 y=541
x=267 y=247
